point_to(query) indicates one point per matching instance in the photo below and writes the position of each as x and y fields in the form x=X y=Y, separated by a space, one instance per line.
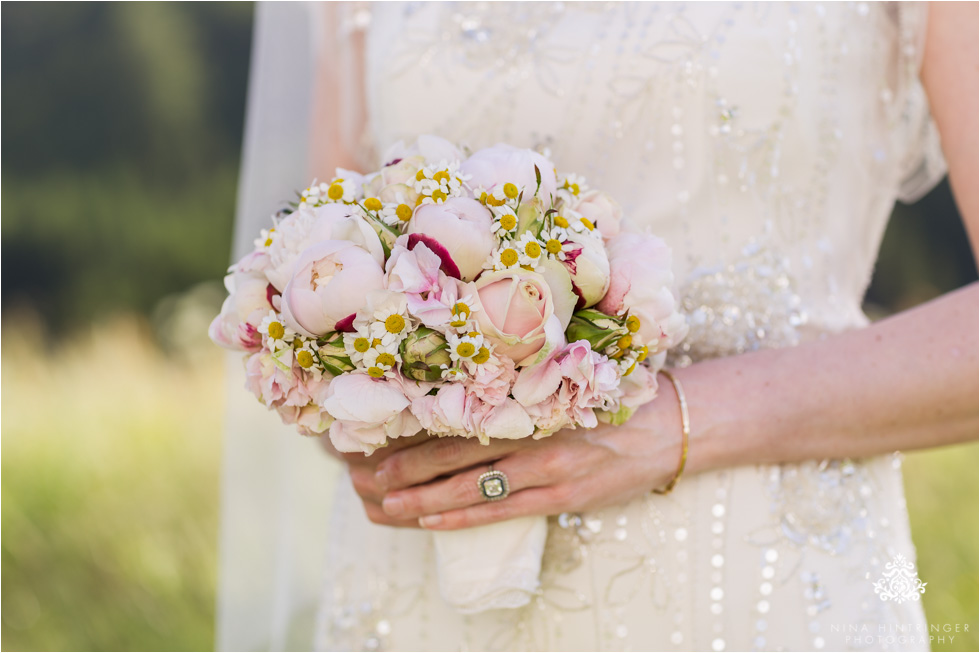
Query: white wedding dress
x=766 y=144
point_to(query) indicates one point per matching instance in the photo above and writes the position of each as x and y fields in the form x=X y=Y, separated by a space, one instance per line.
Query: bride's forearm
x=906 y=382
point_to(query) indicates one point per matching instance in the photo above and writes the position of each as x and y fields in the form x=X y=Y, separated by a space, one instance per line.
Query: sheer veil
x=276 y=485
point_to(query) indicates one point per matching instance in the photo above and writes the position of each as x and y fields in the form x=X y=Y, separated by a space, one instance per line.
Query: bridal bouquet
x=475 y=295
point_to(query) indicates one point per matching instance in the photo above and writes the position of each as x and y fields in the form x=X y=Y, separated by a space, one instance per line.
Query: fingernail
x=430 y=521
x=381 y=478
x=392 y=505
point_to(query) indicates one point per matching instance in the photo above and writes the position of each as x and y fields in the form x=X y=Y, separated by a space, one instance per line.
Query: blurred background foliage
x=119 y=163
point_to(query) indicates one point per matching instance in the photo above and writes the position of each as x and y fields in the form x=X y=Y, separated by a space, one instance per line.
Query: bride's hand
x=571 y=471
x=362 y=469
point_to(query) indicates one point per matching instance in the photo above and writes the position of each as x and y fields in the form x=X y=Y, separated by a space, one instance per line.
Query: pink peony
x=502 y=164
x=462 y=226
x=340 y=222
x=274 y=380
x=588 y=267
x=330 y=283
x=516 y=313
x=367 y=412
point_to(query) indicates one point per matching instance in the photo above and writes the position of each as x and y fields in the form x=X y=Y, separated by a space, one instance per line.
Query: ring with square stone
x=493 y=485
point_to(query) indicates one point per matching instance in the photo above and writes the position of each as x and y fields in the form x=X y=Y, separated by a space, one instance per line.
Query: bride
x=766 y=144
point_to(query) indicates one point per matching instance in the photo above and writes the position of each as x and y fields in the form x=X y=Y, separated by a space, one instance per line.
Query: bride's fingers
x=362 y=478
x=377 y=516
x=535 y=501
x=458 y=491
x=437 y=458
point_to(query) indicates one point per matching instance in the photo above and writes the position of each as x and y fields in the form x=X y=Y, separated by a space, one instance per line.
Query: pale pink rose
x=312 y=419
x=340 y=222
x=504 y=164
x=462 y=226
x=602 y=210
x=588 y=267
x=638 y=387
x=330 y=283
x=248 y=302
x=367 y=413
x=254 y=261
x=640 y=282
x=516 y=313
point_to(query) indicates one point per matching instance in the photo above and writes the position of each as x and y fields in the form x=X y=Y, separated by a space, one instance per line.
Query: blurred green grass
x=110 y=486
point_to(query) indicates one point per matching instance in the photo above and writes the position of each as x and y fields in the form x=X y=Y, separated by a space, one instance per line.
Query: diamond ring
x=493 y=485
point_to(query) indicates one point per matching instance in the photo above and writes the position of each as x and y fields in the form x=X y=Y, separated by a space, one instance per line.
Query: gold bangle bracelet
x=685 y=433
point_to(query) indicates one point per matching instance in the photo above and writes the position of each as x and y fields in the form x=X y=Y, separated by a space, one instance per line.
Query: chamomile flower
x=395 y=214
x=357 y=345
x=341 y=190
x=505 y=257
x=380 y=362
x=573 y=185
x=504 y=221
x=306 y=357
x=581 y=224
x=453 y=373
x=275 y=332
x=265 y=238
x=530 y=250
x=555 y=243
x=464 y=347
x=315 y=195
x=479 y=362
x=436 y=184
x=461 y=312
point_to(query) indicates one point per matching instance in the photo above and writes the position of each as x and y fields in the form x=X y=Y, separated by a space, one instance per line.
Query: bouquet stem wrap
x=491 y=567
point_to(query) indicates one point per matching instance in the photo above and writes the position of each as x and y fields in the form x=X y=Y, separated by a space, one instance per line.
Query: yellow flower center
x=624 y=342
x=404 y=212
x=420 y=175
x=587 y=223
x=394 y=323
x=532 y=249
x=268 y=241
x=493 y=201
x=297 y=343
x=642 y=353
x=508 y=222
x=384 y=358
x=305 y=359
x=335 y=192
x=276 y=330
x=457 y=323
x=375 y=372
x=483 y=198
x=630 y=370
x=438 y=196
x=465 y=349
x=574 y=189
x=460 y=308
x=509 y=256
x=561 y=221
x=440 y=176
x=510 y=190
x=362 y=345
x=473 y=334
x=376 y=342
x=633 y=323
x=372 y=204
x=482 y=356
x=553 y=246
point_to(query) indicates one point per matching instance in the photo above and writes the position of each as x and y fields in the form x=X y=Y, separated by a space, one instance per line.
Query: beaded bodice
x=766 y=143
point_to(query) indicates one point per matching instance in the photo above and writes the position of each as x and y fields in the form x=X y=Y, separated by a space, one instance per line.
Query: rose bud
x=423 y=351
